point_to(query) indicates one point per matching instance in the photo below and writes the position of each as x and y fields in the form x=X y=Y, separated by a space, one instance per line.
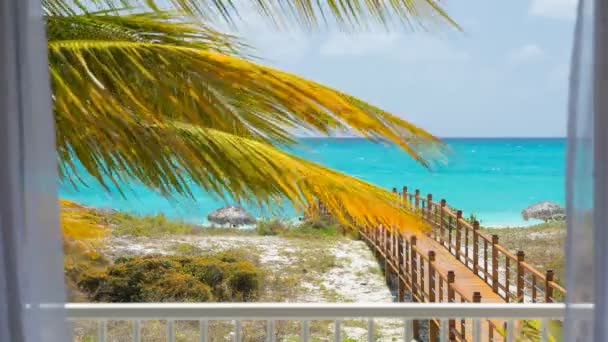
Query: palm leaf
x=194 y=85
x=171 y=103
x=173 y=155
x=347 y=14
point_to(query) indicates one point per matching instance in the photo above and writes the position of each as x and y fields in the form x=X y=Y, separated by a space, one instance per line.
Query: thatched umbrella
x=232 y=215
x=544 y=210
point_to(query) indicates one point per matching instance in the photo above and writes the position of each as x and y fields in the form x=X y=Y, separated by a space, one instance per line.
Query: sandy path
x=350 y=272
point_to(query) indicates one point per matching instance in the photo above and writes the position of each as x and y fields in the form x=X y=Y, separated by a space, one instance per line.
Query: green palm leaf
x=349 y=14
x=191 y=83
x=166 y=100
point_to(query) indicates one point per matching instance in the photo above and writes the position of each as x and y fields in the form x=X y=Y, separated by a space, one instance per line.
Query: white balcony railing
x=477 y=314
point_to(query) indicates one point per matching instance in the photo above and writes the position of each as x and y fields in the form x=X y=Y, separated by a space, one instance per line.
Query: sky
x=504 y=75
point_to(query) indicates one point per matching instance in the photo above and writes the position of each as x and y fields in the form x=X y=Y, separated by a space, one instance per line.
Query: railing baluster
x=305 y=331
x=476 y=330
x=494 y=263
x=408 y=330
x=548 y=287
x=485 y=260
x=510 y=335
x=466 y=245
x=443 y=331
x=451 y=299
x=270 y=331
x=458 y=233
x=544 y=330
x=432 y=294
x=170 y=331
x=237 y=331
x=203 y=328
x=533 y=288
x=370 y=330
x=429 y=212
x=507 y=275
x=136 y=331
x=413 y=268
x=476 y=247
x=102 y=327
x=337 y=331
x=476 y=322
x=520 y=276
x=442 y=224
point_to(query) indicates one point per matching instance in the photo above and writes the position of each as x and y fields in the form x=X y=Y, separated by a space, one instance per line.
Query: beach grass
x=543 y=244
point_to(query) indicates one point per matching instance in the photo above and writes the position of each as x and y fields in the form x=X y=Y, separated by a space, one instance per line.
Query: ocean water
x=492 y=178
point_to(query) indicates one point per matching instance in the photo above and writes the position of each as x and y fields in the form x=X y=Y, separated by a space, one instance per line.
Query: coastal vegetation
x=295 y=265
x=155 y=278
x=543 y=244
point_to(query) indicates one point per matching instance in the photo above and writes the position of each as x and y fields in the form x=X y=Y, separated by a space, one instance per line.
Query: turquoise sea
x=491 y=178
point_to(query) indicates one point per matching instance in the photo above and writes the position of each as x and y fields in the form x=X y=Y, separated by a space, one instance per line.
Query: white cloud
x=401 y=48
x=339 y=44
x=555 y=9
x=526 y=54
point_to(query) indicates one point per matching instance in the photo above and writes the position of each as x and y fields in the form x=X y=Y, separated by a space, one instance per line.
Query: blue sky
x=505 y=75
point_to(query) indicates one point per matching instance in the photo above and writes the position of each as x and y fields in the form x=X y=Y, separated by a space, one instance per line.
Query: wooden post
x=476 y=297
x=401 y=269
x=494 y=263
x=413 y=281
x=413 y=268
x=476 y=247
x=429 y=210
x=548 y=288
x=378 y=240
x=442 y=221
x=433 y=326
x=458 y=233
x=404 y=194
x=520 y=276
x=384 y=239
x=417 y=198
x=431 y=272
x=451 y=299
x=387 y=255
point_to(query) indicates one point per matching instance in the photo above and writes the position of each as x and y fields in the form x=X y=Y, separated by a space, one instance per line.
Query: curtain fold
x=587 y=175
x=32 y=293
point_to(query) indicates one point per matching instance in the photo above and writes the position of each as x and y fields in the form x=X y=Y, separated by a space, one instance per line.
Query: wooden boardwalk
x=455 y=262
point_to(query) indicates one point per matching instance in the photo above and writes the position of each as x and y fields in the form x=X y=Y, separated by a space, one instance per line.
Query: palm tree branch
x=172 y=155
x=213 y=90
x=347 y=14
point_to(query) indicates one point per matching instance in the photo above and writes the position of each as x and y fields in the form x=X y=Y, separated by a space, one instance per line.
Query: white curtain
x=587 y=176
x=31 y=269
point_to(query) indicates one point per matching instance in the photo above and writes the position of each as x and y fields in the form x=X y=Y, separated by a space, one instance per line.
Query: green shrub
x=207 y=271
x=244 y=280
x=323 y=226
x=270 y=227
x=186 y=249
x=152 y=225
x=177 y=287
x=155 y=278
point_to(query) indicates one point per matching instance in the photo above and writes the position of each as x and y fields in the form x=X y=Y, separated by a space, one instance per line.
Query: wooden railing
x=509 y=274
x=416 y=273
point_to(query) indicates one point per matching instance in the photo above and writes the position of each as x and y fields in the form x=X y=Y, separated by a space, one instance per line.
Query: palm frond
x=213 y=90
x=159 y=27
x=347 y=14
x=172 y=156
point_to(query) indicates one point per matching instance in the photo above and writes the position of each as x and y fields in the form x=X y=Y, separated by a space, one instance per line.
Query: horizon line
x=446 y=137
